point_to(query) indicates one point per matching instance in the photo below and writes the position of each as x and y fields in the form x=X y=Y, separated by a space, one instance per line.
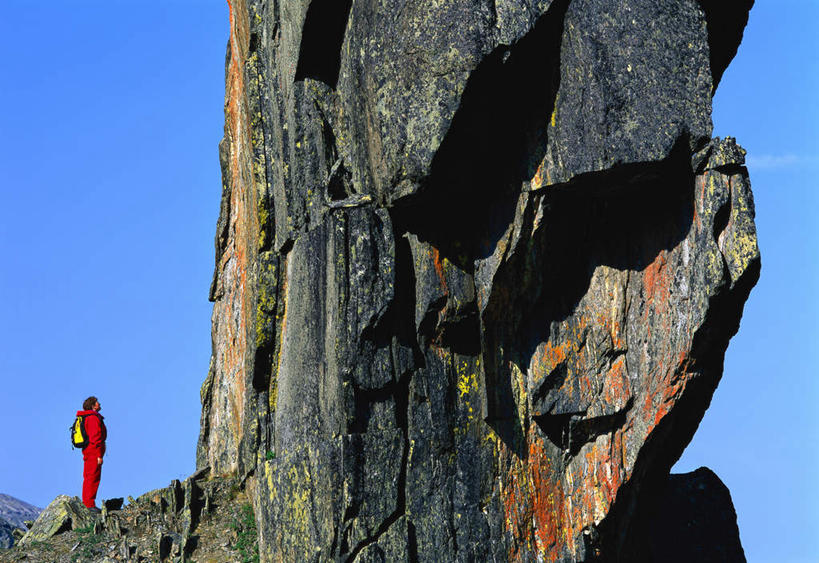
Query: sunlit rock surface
x=63 y=514
x=478 y=263
x=203 y=518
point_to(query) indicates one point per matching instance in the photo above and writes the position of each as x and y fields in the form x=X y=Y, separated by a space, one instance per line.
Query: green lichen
x=264 y=216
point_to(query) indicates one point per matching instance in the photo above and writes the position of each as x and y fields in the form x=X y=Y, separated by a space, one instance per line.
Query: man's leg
x=92 y=471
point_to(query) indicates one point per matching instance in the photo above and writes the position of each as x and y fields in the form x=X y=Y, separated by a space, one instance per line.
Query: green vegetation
x=89 y=542
x=270 y=455
x=246 y=544
x=40 y=545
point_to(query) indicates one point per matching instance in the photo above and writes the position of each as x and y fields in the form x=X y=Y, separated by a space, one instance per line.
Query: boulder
x=63 y=514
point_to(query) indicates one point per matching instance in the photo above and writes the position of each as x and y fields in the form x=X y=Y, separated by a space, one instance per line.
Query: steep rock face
x=478 y=263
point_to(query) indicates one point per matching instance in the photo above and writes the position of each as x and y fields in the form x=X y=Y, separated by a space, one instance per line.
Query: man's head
x=90 y=403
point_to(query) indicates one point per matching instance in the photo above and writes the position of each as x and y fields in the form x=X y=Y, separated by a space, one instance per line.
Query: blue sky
x=109 y=176
x=109 y=171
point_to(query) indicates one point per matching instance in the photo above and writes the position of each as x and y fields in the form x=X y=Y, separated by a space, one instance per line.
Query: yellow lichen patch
x=466 y=371
x=738 y=241
x=519 y=391
x=466 y=384
x=740 y=252
x=263 y=216
x=298 y=508
x=273 y=394
x=268 y=474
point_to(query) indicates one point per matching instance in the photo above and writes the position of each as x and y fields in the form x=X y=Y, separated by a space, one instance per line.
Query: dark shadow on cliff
x=321 y=40
x=495 y=142
x=494 y=145
x=691 y=517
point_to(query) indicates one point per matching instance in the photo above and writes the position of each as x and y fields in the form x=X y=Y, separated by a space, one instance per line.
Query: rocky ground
x=203 y=520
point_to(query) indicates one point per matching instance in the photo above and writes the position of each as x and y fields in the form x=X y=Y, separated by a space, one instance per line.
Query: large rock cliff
x=477 y=266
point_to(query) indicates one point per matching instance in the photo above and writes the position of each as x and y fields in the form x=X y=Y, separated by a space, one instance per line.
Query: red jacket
x=95 y=428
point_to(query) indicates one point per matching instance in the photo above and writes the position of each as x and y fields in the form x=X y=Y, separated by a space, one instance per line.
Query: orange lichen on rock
x=232 y=311
x=616 y=388
x=552 y=356
x=601 y=480
x=657 y=279
x=547 y=498
x=439 y=263
x=533 y=501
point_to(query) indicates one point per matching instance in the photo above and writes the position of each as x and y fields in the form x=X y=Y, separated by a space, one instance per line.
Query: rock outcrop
x=63 y=514
x=477 y=266
x=199 y=519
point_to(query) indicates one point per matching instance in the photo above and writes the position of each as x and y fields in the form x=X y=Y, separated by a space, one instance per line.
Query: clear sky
x=111 y=112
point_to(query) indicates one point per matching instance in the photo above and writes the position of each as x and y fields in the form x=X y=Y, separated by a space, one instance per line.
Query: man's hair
x=89 y=403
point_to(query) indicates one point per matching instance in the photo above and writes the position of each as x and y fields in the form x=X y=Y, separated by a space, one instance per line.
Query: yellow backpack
x=79 y=437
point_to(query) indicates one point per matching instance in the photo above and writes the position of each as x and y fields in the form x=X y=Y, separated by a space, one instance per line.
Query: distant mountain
x=6 y=537
x=14 y=511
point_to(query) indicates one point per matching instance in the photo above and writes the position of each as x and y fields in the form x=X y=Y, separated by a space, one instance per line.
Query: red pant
x=91 y=473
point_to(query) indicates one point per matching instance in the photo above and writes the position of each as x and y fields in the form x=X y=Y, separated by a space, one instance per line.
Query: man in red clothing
x=92 y=454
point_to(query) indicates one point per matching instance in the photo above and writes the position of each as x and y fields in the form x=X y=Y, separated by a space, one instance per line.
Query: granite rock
x=63 y=514
x=477 y=266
